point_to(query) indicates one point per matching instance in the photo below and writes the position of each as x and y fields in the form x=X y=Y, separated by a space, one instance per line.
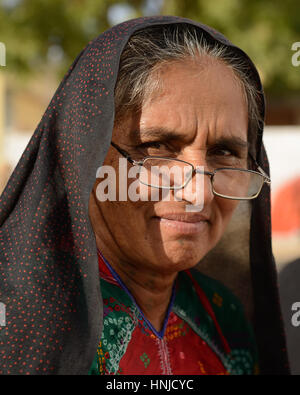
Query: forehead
x=195 y=101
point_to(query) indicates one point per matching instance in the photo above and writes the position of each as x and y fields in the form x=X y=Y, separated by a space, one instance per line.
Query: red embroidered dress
x=204 y=332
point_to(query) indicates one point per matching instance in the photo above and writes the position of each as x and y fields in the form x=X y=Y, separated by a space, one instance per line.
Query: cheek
x=226 y=209
x=125 y=222
x=127 y=217
x=123 y=201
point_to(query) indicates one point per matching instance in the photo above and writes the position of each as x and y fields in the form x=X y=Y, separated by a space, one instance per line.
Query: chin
x=181 y=257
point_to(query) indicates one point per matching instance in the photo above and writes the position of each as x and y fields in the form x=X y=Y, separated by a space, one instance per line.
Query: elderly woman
x=167 y=105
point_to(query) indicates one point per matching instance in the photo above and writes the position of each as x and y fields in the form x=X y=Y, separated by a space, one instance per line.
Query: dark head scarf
x=49 y=272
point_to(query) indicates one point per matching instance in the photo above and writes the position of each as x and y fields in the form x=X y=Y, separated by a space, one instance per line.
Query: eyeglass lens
x=173 y=174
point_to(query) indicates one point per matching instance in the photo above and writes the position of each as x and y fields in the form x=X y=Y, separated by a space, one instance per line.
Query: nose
x=198 y=191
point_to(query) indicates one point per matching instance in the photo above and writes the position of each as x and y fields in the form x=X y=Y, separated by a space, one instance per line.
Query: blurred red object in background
x=286 y=208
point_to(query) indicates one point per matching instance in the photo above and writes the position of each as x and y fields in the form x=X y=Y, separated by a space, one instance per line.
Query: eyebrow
x=163 y=132
x=167 y=134
x=233 y=141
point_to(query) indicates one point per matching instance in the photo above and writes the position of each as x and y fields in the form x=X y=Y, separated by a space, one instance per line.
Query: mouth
x=183 y=223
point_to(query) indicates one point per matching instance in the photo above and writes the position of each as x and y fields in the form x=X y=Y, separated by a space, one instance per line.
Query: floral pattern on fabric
x=190 y=343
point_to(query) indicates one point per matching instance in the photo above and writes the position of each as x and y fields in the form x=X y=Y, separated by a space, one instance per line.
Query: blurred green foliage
x=265 y=29
x=31 y=29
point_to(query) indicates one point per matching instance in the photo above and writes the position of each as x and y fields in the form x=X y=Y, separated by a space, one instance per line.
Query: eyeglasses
x=174 y=174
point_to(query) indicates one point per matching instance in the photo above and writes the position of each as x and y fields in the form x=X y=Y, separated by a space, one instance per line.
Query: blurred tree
x=265 y=30
x=39 y=32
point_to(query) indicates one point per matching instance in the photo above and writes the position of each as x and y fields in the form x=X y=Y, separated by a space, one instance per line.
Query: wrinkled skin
x=201 y=101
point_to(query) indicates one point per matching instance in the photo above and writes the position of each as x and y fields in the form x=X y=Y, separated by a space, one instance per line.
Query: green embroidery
x=121 y=319
x=118 y=324
x=240 y=362
x=230 y=316
x=145 y=359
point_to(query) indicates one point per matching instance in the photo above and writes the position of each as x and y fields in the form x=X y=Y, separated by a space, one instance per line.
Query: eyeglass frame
x=261 y=172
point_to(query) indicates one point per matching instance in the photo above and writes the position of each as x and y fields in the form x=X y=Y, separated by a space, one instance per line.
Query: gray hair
x=149 y=49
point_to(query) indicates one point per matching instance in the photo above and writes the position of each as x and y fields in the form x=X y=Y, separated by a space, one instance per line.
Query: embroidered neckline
x=110 y=275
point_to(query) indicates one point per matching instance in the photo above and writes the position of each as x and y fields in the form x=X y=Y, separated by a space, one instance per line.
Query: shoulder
x=227 y=309
x=218 y=294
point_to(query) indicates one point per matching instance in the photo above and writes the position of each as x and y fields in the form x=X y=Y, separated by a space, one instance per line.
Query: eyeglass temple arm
x=267 y=178
x=124 y=153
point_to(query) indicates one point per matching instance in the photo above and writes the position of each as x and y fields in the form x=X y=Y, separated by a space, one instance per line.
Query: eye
x=224 y=152
x=151 y=144
x=156 y=148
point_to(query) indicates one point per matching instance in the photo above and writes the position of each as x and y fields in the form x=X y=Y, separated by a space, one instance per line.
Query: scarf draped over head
x=49 y=279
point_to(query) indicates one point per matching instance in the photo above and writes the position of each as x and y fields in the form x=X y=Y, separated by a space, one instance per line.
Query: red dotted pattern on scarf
x=44 y=235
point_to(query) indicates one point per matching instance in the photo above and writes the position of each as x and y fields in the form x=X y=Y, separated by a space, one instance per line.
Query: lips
x=185 y=217
x=183 y=223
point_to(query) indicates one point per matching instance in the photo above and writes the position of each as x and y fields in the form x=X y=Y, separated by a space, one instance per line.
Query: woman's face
x=200 y=116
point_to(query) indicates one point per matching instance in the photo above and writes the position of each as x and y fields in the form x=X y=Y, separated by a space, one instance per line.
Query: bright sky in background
x=118 y=13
